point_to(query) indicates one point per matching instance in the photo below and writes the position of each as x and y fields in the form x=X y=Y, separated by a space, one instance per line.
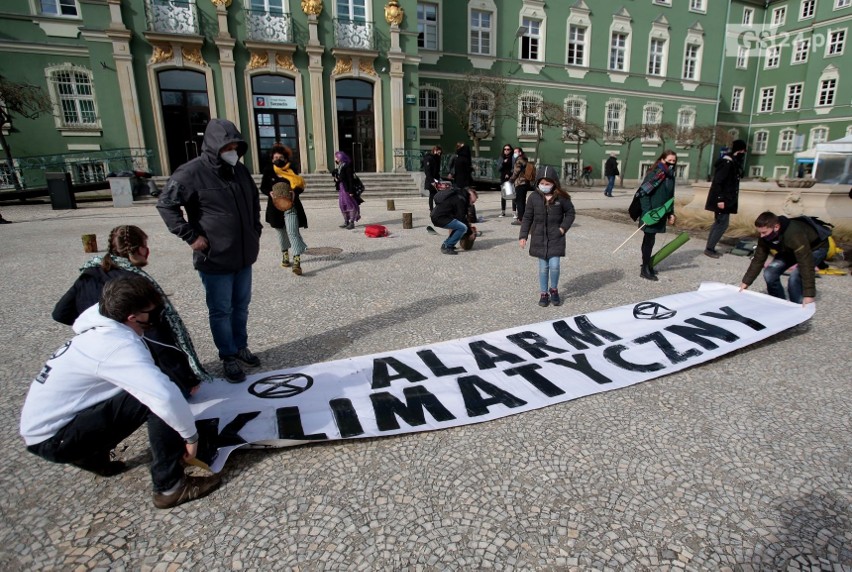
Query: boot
x=544 y=300
x=647 y=273
x=351 y=225
x=285 y=259
x=297 y=265
x=345 y=224
x=554 y=297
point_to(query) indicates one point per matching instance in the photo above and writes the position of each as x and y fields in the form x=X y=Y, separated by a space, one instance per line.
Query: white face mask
x=515 y=155
x=546 y=189
x=230 y=157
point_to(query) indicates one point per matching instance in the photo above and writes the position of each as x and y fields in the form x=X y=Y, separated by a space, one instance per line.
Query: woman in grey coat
x=548 y=215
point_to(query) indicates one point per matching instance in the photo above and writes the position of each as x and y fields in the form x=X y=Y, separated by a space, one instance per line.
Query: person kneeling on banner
x=102 y=385
x=796 y=241
x=451 y=208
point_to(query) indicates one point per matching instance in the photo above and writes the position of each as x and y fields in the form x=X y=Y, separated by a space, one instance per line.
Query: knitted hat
x=738 y=145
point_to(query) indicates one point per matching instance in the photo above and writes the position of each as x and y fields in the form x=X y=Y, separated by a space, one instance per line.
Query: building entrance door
x=186 y=112
x=274 y=101
x=356 y=129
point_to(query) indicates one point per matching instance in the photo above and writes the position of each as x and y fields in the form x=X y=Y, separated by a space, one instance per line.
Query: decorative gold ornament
x=312 y=7
x=161 y=54
x=285 y=62
x=366 y=67
x=258 y=60
x=221 y=3
x=393 y=13
x=343 y=65
x=193 y=55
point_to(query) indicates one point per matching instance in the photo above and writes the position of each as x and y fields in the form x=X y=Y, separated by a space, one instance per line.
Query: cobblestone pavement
x=743 y=463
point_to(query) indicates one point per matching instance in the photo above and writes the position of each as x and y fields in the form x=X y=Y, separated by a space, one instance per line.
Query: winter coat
x=221 y=204
x=518 y=178
x=795 y=243
x=274 y=217
x=450 y=205
x=85 y=292
x=505 y=168
x=661 y=180
x=102 y=360
x=542 y=223
x=432 y=169
x=611 y=167
x=725 y=187
x=463 y=168
x=345 y=178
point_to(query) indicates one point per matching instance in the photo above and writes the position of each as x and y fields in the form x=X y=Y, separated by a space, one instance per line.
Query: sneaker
x=554 y=297
x=285 y=259
x=516 y=222
x=712 y=253
x=233 y=372
x=448 y=250
x=544 y=300
x=248 y=358
x=502 y=215
x=345 y=225
x=191 y=488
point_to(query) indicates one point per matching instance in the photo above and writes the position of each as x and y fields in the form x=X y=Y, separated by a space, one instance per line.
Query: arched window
x=482 y=112
x=615 y=116
x=73 y=94
x=785 y=140
x=529 y=112
x=652 y=116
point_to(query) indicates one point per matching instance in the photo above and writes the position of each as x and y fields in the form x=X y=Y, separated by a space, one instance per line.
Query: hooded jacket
x=463 y=168
x=102 y=360
x=725 y=187
x=546 y=224
x=221 y=204
x=450 y=205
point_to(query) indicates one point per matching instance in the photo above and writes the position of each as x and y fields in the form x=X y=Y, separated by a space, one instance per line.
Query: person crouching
x=451 y=208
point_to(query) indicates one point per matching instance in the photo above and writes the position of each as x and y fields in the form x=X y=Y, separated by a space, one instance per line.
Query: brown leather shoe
x=190 y=489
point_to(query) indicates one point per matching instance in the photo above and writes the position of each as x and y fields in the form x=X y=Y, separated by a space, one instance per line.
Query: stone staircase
x=376 y=185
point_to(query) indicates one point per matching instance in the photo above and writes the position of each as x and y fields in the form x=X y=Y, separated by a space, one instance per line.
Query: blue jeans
x=228 y=297
x=772 y=274
x=610 y=183
x=459 y=229
x=548 y=266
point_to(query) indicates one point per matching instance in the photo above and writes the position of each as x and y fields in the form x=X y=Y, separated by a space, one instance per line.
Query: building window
x=818 y=135
x=529 y=110
x=576 y=45
x=691 y=57
x=427 y=26
x=617 y=52
x=429 y=106
x=773 y=57
x=663 y=2
x=75 y=96
x=614 y=118
x=800 y=50
x=836 y=43
x=6 y=180
x=785 y=141
x=761 y=142
x=779 y=16
x=737 y=99
x=838 y=4
x=63 y=8
x=685 y=121
x=88 y=171
x=657 y=57
x=352 y=10
x=748 y=16
x=742 y=58
x=698 y=6
x=807 y=10
x=794 y=96
x=827 y=90
x=574 y=108
x=480 y=32
x=767 y=99
x=652 y=116
x=755 y=171
x=531 y=40
x=481 y=114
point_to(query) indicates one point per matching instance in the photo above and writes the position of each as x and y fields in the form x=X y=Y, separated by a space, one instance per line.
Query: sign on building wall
x=275 y=102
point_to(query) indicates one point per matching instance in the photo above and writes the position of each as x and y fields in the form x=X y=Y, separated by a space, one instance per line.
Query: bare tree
x=24 y=100
x=573 y=128
x=666 y=132
x=626 y=137
x=477 y=101
x=702 y=136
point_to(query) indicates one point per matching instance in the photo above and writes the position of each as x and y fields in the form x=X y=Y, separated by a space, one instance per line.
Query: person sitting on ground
x=451 y=208
x=169 y=341
x=102 y=385
x=795 y=242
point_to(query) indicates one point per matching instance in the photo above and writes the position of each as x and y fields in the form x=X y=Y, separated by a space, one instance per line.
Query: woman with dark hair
x=169 y=341
x=506 y=164
x=286 y=223
x=654 y=192
x=462 y=167
x=347 y=200
x=548 y=215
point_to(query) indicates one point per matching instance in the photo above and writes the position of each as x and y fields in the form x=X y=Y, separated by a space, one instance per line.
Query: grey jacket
x=221 y=203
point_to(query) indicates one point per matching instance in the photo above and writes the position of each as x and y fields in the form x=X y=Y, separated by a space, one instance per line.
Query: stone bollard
x=90 y=242
x=391 y=205
x=407 y=220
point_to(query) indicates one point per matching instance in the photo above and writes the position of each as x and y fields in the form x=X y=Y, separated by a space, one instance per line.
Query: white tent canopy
x=843 y=145
x=834 y=161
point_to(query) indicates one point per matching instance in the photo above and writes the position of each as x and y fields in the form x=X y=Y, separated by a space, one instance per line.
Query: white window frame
x=748 y=17
x=826 y=92
x=482 y=95
x=818 y=134
x=755 y=171
x=840 y=4
x=534 y=38
x=6 y=177
x=79 y=166
x=437 y=110
x=621 y=25
x=737 y=98
x=742 y=58
x=579 y=18
x=621 y=49
x=772 y=59
x=58 y=4
x=786 y=141
x=528 y=125
x=766 y=101
x=352 y=11
x=779 y=16
x=801 y=51
x=578 y=102
x=658 y=59
x=734 y=133
x=793 y=96
x=835 y=45
x=581 y=44
x=484 y=8
x=62 y=125
x=848 y=130
x=692 y=62
x=699 y=6
x=760 y=142
x=652 y=115
x=685 y=120
x=426 y=24
x=807 y=9
x=667 y=3
x=621 y=105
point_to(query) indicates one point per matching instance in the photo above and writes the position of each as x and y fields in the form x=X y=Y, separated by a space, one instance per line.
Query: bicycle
x=585 y=178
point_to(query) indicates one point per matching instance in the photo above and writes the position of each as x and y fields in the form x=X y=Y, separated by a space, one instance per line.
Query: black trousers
x=87 y=440
x=521 y=199
x=648 y=246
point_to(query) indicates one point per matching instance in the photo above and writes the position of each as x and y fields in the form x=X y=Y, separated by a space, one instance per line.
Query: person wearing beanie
x=723 y=194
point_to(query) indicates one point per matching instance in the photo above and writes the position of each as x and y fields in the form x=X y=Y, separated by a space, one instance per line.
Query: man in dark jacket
x=795 y=242
x=451 y=208
x=222 y=226
x=432 y=170
x=723 y=194
x=462 y=167
x=610 y=172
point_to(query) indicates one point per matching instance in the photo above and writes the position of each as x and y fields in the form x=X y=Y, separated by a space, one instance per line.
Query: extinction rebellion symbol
x=281 y=386
x=652 y=311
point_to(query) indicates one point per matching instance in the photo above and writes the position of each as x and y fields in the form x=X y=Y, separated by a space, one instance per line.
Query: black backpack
x=822 y=228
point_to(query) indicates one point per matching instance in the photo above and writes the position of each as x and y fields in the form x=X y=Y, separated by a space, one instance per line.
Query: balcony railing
x=172 y=16
x=84 y=166
x=269 y=26
x=356 y=34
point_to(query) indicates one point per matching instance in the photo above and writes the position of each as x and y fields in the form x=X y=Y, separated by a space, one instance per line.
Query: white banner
x=485 y=377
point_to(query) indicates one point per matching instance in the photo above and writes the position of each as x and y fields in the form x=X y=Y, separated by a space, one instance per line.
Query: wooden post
x=90 y=243
x=407 y=220
x=391 y=205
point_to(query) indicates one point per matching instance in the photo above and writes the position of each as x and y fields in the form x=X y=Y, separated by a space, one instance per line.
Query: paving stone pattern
x=743 y=463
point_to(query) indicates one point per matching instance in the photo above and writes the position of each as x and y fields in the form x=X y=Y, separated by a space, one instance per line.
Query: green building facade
x=386 y=80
